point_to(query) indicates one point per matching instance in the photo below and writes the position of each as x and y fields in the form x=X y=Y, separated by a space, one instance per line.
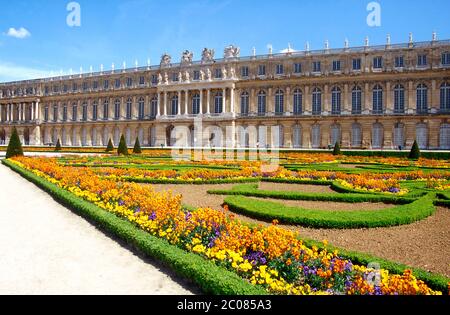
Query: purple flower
x=188 y=216
x=137 y=210
x=152 y=217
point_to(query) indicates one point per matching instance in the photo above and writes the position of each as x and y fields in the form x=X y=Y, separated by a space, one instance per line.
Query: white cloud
x=11 y=72
x=21 y=33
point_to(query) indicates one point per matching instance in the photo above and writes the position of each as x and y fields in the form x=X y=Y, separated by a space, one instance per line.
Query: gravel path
x=46 y=249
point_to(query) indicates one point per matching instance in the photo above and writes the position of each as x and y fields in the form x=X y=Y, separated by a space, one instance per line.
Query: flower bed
x=270 y=257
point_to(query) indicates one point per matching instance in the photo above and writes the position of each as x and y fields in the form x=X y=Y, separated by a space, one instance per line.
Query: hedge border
x=186 y=182
x=209 y=277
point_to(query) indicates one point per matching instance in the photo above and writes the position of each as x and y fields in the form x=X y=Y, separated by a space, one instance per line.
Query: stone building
x=370 y=97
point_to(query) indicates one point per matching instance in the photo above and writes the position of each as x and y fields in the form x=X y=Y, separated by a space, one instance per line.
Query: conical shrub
x=58 y=146
x=337 y=149
x=137 y=147
x=415 y=152
x=14 y=146
x=110 y=146
x=123 y=149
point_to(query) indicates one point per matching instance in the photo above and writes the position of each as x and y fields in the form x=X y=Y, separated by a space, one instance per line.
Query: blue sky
x=119 y=30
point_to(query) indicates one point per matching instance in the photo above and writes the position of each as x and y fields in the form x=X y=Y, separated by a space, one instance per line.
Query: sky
x=36 y=40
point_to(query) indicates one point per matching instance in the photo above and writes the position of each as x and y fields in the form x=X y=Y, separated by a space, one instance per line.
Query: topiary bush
x=58 y=146
x=14 y=146
x=337 y=149
x=123 y=149
x=137 y=147
x=110 y=146
x=415 y=152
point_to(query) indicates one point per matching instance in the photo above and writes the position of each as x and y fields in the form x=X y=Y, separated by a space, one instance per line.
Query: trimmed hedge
x=269 y=211
x=185 y=182
x=298 y=181
x=209 y=277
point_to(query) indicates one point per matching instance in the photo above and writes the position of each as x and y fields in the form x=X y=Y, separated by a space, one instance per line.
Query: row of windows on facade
x=422 y=60
x=336 y=103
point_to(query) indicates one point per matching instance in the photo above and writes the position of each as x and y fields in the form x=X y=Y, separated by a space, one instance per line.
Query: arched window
x=279 y=102
x=116 y=136
x=277 y=136
x=377 y=99
x=356 y=135
x=154 y=107
x=94 y=136
x=356 y=100
x=298 y=102
x=422 y=98
x=297 y=136
x=315 y=136
x=317 y=101
x=117 y=109
x=244 y=103
x=445 y=97
x=83 y=137
x=55 y=113
x=129 y=108
x=422 y=135
x=74 y=112
x=335 y=134
x=141 y=108
x=106 y=110
x=174 y=107
x=444 y=137
x=399 y=135
x=261 y=103
x=377 y=136
x=196 y=104
x=218 y=103
x=262 y=136
x=84 y=111
x=94 y=111
x=399 y=99
x=336 y=101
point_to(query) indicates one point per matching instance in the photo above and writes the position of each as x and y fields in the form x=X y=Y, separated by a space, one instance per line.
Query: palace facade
x=370 y=97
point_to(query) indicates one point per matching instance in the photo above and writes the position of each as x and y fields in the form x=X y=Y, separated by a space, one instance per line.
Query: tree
x=123 y=149
x=415 y=152
x=58 y=146
x=14 y=146
x=110 y=146
x=337 y=149
x=137 y=147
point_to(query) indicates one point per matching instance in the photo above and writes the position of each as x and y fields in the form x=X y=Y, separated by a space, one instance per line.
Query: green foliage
x=188 y=182
x=110 y=146
x=209 y=277
x=137 y=147
x=14 y=146
x=58 y=146
x=337 y=149
x=415 y=152
x=123 y=149
x=269 y=211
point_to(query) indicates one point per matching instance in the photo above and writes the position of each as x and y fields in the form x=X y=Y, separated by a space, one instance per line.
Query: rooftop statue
x=166 y=60
x=186 y=58
x=231 y=52
x=208 y=55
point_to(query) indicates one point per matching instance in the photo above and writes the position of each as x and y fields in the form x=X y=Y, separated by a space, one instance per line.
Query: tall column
x=201 y=102
x=389 y=108
x=288 y=109
x=346 y=103
x=179 y=104
x=165 y=103
x=8 y=112
x=158 y=109
x=37 y=112
x=186 y=104
x=32 y=111
x=270 y=103
x=232 y=101
x=208 y=102
x=224 y=107
x=327 y=107
x=410 y=105
x=307 y=101
x=367 y=102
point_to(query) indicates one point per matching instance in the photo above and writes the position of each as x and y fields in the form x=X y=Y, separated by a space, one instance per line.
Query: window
x=65 y=88
x=106 y=110
x=444 y=137
x=94 y=111
x=154 y=107
x=174 y=106
x=298 y=102
x=218 y=103
x=85 y=86
x=280 y=69
x=316 y=66
x=261 y=70
x=106 y=84
x=117 y=84
x=55 y=89
x=95 y=85
x=46 y=113
x=356 y=64
x=336 y=65
x=154 y=79
x=356 y=100
x=399 y=62
x=399 y=99
x=356 y=135
x=377 y=62
x=74 y=112
x=64 y=117
x=335 y=134
x=335 y=102
x=446 y=59
x=84 y=111
x=297 y=68
x=141 y=108
x=74 y=87
x=196 y=75
x=422 y=98
x=129 y=108
x=315 y=136
x=141 y=80
x=245 y=103
x=297 y=137
x=317 y=101
x=422 y=135
x=377 y=105
x=261 y=103
x=218 y=73
x=117 y=109
x=129 y=82
x=377 y=136
x=445 y=97
x=244 y=72
x=46 y=90
x=196 y=104
x=279 y=102
x=55 y=113
x=175 y=77
x=399 y=135
x=422 y=60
